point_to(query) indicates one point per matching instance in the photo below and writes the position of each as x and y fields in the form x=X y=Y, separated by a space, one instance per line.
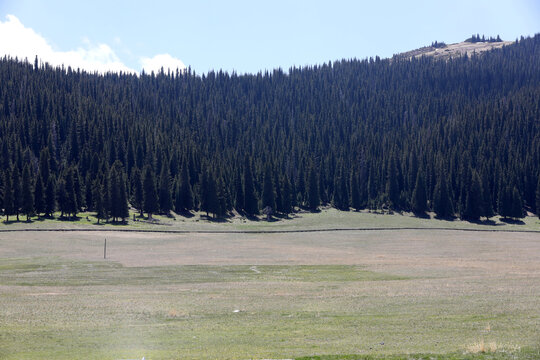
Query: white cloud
x=16 y=40
x=161 y=60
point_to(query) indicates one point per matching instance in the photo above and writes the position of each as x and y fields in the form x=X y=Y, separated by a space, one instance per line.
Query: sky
x=244 y=36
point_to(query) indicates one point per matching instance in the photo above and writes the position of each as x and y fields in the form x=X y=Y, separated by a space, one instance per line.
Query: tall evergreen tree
x=9 y=197
x=313 y=191
x=356 y=201
x=239 y=192
x=442 y=201
x=61 y=197
x=538 y=198
x=17 y=191
x=50 y=197
x=286 y=196
x=268 y=194
x=517 y=204
x=165 y=198
x=150 y=198
x=474 y=202
x=504 y=201
x=419 y=198
x=209 y=195
x=392 y=189
x=250 y=201
x=137 y=191
x=99 y=204
x=487 y=203
x=71 y=195
x=27 y=194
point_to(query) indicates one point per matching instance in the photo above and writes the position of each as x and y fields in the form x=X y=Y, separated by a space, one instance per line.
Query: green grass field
x=404 y=294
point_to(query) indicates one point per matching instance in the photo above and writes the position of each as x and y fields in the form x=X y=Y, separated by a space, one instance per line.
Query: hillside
x=455 y=50
x=459 y=137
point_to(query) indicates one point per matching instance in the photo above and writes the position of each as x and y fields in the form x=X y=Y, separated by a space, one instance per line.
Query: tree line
x=458 y=137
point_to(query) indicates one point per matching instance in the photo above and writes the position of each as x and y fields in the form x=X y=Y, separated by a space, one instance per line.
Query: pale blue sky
x=248 y=36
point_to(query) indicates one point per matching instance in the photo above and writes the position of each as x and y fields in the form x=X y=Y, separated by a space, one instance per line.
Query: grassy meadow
x=406 y=294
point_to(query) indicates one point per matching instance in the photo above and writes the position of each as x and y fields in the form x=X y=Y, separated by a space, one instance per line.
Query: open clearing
x=242 y=296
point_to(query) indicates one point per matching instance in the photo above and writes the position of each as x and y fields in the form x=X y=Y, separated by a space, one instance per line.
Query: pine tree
x=123 y=206
x=185 y=189
x=268 y=194
x=442 y=202
x=99 y=204
x=279 y=195
x=17 y=191
x=517 y=204
x=487 y=204
x=286 y=196
x=392 y=190
x=239 y=192
x=313 y=199
x=356 y=201
x=44 y=164
x=150 y=200
x=50 y=197
x=504 y=202
x=71 y=195
x=538 y=198
x=118 y=193
x=250 y=201
x=137 y=190
x=419 y=198
x=165 y=198
x=9 y=199
x=209 y=196
x=27 y=194
x=474 y=202
x=61 y=197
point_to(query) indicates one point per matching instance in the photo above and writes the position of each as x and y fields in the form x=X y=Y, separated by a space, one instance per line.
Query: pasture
x=384 y=293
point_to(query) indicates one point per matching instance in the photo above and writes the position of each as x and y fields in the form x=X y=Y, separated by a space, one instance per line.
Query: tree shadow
x=422 y=215
x=186 y=213
x=69 y=218
x=446 y=218
x=512 y=221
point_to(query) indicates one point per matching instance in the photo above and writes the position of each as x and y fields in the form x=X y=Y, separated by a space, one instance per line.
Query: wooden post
x=105 y=249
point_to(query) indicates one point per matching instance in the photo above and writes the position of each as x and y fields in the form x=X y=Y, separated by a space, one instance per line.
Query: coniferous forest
x=459 y=137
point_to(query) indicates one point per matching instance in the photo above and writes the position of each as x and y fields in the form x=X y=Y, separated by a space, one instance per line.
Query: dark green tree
x=71 y=206
x=286 y=196
x=538 y=198
x=137 y=190
x=209 y=195
x=517 y=204
x=99 y=204
x=250 y=200
x=165 y=197
x=442 y=201
x=268 y=194
x=474 y=203
x=8 y=195
x=50 y=197
x=392 y=189
x=356 y=201
x=419 y=198
x=27 y=194
x=150 y=197
x=17 y=191
x=239 y=192
x=61 y=197
x=313 y=200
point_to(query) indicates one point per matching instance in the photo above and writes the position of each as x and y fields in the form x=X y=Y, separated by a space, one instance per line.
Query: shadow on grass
x=512 y=221
x=422 y=215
